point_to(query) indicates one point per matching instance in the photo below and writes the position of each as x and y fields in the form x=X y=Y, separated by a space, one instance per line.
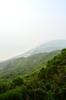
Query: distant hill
x=47 y=47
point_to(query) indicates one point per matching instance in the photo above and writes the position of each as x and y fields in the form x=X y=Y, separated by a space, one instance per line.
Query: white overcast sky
x=24 y=24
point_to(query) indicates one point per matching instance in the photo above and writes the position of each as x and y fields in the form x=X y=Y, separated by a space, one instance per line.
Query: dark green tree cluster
x=47 y=84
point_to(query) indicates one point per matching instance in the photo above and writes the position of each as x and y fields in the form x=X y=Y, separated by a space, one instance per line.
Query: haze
x=24 y=24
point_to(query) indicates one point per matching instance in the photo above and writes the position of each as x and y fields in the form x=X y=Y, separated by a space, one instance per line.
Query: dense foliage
x=22 y=66
x=49 y=83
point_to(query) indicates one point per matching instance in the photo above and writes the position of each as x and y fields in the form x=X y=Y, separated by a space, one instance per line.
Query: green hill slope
x=24 y=66
x=49 y=83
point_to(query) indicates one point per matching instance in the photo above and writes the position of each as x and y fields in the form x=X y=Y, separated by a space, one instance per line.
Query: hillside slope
x=48 y=84
x=25 y=66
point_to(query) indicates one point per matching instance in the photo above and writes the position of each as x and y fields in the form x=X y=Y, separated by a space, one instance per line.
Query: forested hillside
x=48 y=83
x=24 y=65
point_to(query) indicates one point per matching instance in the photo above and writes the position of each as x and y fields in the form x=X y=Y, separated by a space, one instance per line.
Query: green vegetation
x=46 y=83
x=23 y=66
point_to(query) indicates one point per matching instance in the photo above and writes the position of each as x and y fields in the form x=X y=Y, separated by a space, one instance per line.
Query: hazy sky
x=25 y=24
